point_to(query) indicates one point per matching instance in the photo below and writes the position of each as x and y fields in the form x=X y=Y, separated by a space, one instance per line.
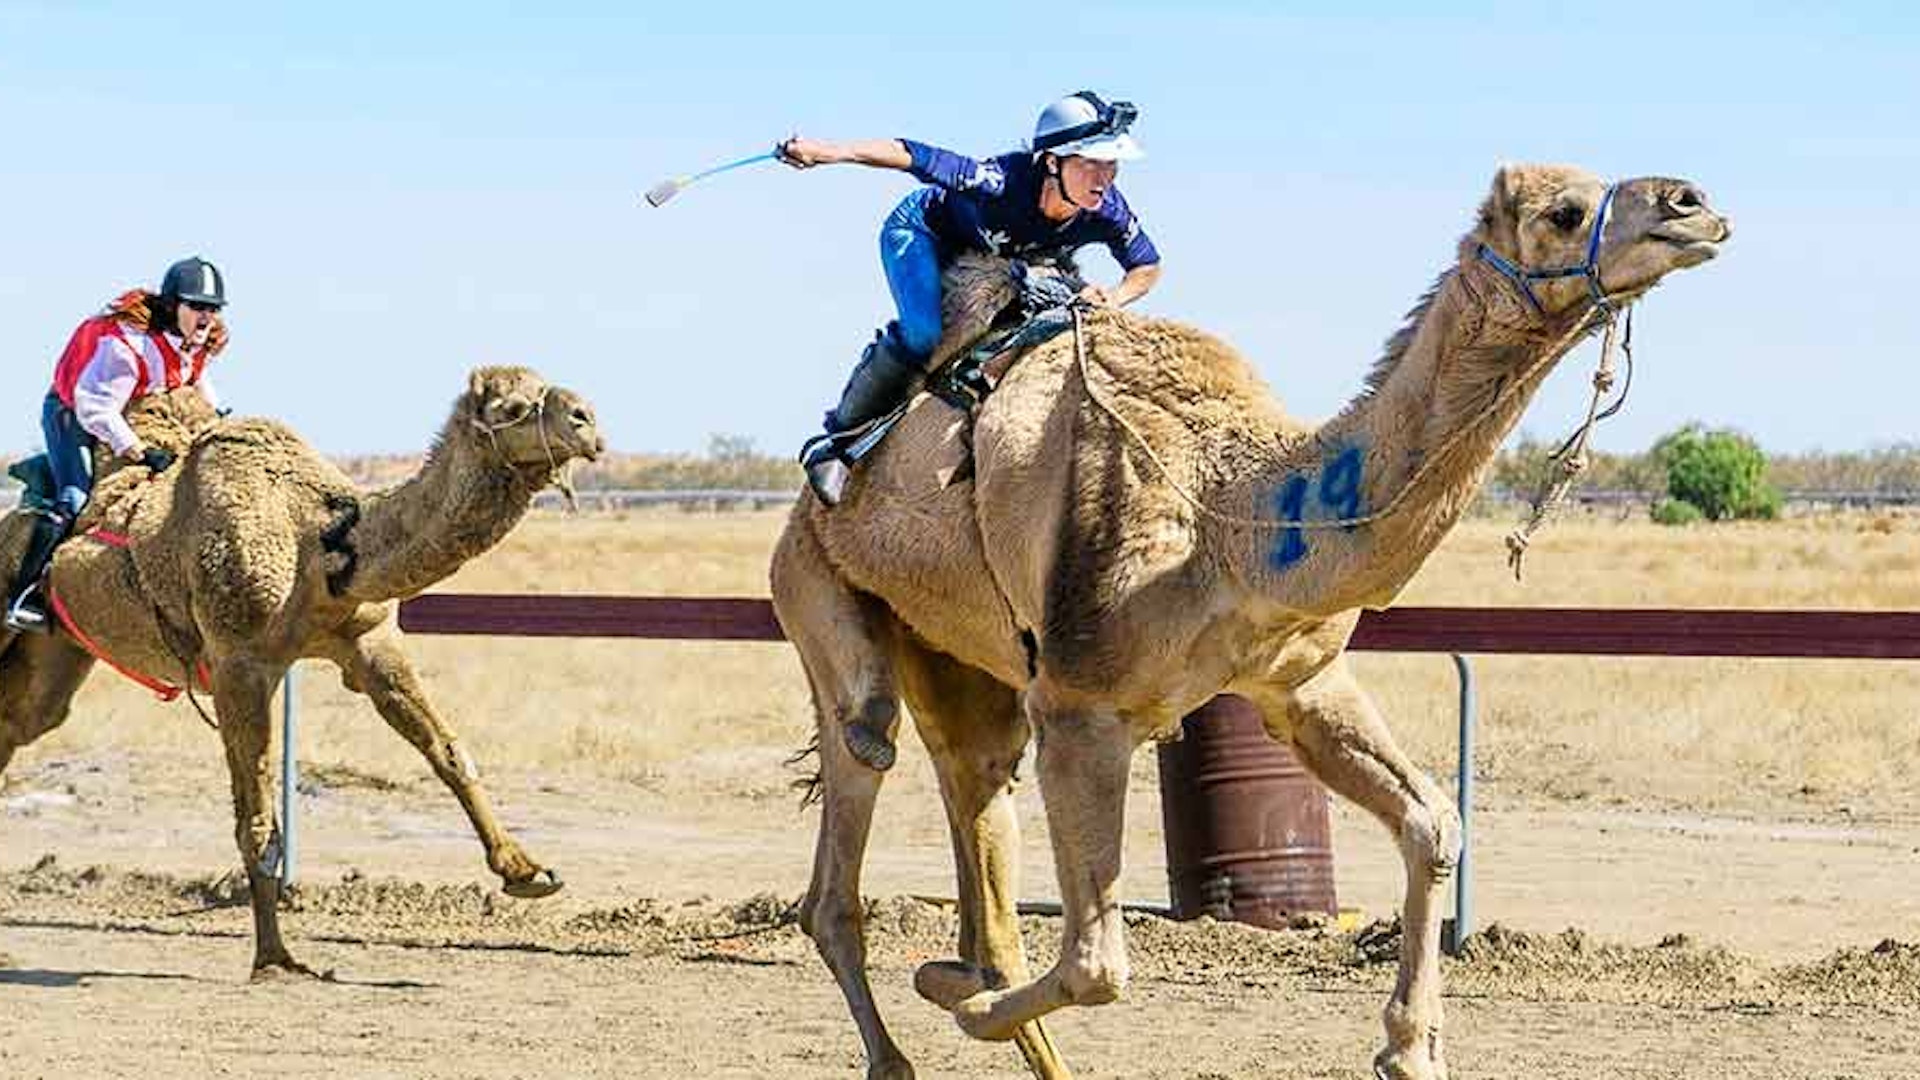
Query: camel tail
x=808 y=784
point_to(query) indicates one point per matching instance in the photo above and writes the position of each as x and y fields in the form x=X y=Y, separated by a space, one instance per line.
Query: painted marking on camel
x=1337 y=497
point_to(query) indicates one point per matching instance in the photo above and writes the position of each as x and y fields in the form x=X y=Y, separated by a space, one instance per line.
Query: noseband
x=1589 y=270
x=538 y=414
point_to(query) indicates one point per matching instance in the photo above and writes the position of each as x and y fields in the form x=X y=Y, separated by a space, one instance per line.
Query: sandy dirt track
x=124 y=955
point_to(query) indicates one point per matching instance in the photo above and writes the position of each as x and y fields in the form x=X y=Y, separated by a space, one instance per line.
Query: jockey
x=1028 y=204
x=143 y=343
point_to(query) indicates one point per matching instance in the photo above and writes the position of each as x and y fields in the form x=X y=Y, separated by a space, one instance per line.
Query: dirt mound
x=1888 y=973
x=124 y=892
x=902 y=931
x=1570 y=964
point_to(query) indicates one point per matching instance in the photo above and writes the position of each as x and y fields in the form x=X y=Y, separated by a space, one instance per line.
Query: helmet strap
x=1058 y=171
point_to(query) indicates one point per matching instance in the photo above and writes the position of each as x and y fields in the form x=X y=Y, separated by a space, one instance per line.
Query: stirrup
x=26 y=616
x=828 y=478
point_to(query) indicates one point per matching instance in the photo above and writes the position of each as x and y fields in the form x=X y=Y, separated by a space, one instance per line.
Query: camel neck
x=461 y=502
x=1415 y=445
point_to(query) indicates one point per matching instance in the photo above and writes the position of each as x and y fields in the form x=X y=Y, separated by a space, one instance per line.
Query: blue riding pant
x=69 y=453
x=912 y=257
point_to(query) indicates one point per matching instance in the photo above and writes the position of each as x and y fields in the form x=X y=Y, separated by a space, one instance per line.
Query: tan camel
x=253 y=552
x=1147 y=528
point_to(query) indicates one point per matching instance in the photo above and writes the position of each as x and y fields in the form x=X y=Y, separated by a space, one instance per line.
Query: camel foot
x=947 y=983
x=286 y=968
x=976 y=1017
x=891 y=1069
x=1407 y=1065
x=541 y=883
x=869 y=746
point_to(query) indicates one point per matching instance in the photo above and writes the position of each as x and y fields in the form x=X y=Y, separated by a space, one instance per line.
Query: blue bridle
x=1589 y=269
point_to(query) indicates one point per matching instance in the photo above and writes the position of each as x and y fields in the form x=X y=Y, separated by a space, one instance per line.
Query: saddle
x=1041 y=309
x=35 y=475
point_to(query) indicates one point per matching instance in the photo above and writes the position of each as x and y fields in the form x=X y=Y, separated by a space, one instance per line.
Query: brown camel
x=252 y=552
x=1146 y=528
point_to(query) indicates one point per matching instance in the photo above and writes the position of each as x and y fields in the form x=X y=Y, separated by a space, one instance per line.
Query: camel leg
x=375 y=665
x=1083 y=764
x=39 y=674
x=1340 y=736
x=841 y=637
x=975 y=732
x=243 y=701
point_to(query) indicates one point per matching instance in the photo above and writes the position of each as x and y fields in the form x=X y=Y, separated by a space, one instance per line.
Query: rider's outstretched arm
x=804 y=153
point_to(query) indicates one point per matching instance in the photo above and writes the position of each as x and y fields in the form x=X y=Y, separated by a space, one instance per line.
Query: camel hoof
x=947 y=983
x=542 y=883
x=897 y=1069
x=1389 y=1065
x=287 y=969
x=869 y=747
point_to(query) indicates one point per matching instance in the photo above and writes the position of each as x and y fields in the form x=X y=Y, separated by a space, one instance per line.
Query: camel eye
x=1567 y=216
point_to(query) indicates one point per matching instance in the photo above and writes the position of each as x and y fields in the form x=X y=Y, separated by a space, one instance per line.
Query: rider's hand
x=1097 y=296
x=804 y=153
x=156 y=459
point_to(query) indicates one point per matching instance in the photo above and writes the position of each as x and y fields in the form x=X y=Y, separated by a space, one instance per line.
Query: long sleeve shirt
x=993 y=205
x=117 y=373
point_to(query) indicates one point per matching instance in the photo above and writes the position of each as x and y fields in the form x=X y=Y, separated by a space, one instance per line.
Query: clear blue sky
x=400 y=191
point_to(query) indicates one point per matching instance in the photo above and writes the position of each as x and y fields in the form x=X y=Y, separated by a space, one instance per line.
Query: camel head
x=1541 y=218
x=528 y=424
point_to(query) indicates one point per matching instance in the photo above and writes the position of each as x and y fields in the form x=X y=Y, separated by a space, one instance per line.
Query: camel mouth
x=1693 y=249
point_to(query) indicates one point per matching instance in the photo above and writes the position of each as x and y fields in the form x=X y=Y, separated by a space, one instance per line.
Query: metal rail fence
x=696 y=499
x=1647 y=632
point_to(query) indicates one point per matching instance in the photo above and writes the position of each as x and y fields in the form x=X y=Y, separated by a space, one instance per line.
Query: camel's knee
x=258 y=838
x=1430 y=838
x=868 y=731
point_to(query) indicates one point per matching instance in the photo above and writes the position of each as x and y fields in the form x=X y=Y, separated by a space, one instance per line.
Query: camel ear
x=477 y=383
x=1500 y=214
x=508 y=409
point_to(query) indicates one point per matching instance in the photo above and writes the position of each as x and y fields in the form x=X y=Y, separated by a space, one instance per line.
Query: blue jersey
x=994 y=206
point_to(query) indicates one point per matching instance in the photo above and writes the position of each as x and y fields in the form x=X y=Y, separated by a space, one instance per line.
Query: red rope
x=163 y=690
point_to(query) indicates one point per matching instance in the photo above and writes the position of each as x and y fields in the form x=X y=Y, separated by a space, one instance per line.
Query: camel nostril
x=582 y=418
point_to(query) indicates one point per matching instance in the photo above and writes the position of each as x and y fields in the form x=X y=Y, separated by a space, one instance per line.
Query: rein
x=1572 y=457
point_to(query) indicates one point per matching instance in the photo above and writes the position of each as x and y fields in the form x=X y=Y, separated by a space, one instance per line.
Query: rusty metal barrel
x=1248 y=837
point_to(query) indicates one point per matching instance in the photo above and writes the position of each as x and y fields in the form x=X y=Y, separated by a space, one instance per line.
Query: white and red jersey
x=109 y=364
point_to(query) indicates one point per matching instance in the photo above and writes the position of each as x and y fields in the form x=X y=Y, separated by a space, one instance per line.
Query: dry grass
x=1792 y=736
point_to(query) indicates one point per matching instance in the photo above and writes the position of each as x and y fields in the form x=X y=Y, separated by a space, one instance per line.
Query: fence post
x=1461 y=925
x=289 y=776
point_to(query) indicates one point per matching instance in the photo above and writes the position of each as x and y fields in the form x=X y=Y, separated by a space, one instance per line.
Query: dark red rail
x=1885 y=635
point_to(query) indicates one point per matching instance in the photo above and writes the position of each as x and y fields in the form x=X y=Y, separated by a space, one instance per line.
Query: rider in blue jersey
x=1048 y=201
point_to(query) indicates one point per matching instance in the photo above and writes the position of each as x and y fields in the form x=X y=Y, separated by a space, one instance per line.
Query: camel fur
x=253 y=552
x=1147 y=527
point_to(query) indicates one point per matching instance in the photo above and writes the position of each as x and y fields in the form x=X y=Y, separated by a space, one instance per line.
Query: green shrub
x=1722 y=473
x=1676 y=512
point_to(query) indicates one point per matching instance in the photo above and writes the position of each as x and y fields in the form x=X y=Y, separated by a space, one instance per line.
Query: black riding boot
x=28 y=612
x=886 y=376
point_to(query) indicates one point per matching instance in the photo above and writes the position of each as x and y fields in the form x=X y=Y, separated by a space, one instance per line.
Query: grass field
x=1723 y=735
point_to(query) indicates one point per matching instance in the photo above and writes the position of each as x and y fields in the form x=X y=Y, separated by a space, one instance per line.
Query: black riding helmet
x=194 y=281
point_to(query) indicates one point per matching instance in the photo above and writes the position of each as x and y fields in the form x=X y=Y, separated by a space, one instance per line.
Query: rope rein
x=1603 y=381
x=1571 y=459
